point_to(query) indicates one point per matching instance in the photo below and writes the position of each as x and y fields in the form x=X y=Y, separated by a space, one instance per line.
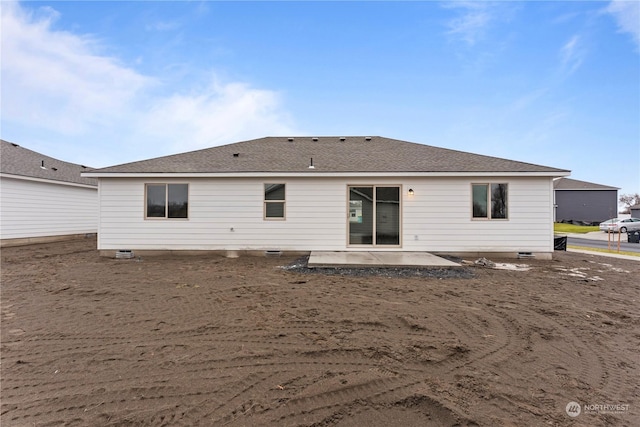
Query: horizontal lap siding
x=315 y=217
x=439 y=214
x=38 y=209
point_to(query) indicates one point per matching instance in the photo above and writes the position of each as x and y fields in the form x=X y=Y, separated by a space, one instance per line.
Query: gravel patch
x=301 y=265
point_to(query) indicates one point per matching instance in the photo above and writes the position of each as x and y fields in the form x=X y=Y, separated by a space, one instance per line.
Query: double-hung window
x=490 y=201
x=274 y=201
x=167 y=200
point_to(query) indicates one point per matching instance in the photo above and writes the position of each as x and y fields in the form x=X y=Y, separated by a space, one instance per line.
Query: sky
x=102 y=83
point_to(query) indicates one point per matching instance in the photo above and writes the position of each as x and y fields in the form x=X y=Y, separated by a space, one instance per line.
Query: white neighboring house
x=303 y=194
x=42 y=198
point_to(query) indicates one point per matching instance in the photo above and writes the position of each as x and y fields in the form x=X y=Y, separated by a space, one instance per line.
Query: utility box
x=560 y=243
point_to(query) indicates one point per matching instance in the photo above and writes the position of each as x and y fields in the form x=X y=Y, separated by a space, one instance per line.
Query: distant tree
x=629 y=200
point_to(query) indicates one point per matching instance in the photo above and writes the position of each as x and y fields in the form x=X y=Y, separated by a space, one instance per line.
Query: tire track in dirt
x=592 y=368
x=181 y=341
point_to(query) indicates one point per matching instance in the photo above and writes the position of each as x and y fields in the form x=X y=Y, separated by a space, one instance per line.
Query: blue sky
x=103 y=83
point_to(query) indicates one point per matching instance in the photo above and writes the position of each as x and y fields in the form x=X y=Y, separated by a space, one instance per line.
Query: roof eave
x=48 y=181
x=316 y=173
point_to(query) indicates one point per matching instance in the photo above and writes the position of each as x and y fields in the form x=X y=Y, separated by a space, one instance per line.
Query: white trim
x=166 y=216
x=374 y=219
x=48 y=181
x=587 y=189
x=272 y=175
x=265 y=202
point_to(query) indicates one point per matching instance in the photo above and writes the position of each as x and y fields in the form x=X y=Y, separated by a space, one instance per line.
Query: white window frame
x=166 y=201
x=266 y=202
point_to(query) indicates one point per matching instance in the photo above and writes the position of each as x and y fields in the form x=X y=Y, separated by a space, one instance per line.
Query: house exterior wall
x=586 y=205
x=36 y=208
x=227 y=214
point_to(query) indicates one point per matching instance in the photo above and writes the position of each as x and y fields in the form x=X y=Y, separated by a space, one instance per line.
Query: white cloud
x=56 y=79
x=217 y=113
x=61 y=84
x=627 y=16
x=162 y=26
x=471 y=24
x=474 y=19
x=572 y=54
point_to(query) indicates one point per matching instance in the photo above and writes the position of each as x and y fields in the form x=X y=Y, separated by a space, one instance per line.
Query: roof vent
x=342 y=138
x=367 y=138
x=15 y=145
x=54 y=169
x=311 y=164
x=42 y=165
x=236 y=154
x=289 y=139
x=314 y=139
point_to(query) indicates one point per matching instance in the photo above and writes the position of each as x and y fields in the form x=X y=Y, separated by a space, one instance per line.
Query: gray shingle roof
x=574 y=184
x=330 y=154
x=17 y=160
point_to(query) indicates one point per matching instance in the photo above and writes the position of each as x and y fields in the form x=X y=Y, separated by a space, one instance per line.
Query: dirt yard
x=213 y=341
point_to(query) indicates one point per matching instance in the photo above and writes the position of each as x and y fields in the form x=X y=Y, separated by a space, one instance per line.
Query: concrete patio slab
x=333 y=259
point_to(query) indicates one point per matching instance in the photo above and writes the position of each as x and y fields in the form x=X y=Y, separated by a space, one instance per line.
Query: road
x=603 y=244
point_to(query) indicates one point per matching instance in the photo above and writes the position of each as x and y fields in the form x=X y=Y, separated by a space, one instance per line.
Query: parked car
x=616 y=225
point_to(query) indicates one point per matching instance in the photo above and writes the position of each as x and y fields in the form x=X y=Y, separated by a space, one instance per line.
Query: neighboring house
x=635 y=211
x=42 y=198
x=330 y=194
x=584 y=201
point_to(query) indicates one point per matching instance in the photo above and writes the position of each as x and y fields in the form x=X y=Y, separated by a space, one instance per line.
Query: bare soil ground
x=207 y=340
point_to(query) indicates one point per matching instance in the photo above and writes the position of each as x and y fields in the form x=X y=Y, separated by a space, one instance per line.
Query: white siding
x=41 y=209
x=436 y=218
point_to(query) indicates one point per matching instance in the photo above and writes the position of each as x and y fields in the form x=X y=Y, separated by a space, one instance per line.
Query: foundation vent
x=124 y=254
x=525 y=255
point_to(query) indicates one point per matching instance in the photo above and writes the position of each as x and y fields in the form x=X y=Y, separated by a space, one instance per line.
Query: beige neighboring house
x=42 y=198
x=303 y=194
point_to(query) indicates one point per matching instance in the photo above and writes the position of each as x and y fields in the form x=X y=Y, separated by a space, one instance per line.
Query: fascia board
x=48 y=181
x=320 y=174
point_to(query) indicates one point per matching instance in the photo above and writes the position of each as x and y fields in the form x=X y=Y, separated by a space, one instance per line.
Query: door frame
x=374 y=214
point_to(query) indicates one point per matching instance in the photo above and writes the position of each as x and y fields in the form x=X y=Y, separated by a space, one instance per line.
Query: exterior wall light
x=411 y=191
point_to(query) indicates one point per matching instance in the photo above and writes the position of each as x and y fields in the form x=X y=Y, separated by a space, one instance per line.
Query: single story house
x=42 y=198
x=303 y=194
x=635 y=211
x=584 y=201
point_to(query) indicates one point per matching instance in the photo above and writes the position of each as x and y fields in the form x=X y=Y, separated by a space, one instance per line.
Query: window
x=167 y=200
x=490 y=201
x=274 y=201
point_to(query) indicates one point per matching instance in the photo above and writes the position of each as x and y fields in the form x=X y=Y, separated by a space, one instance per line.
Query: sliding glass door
x=374 y=215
